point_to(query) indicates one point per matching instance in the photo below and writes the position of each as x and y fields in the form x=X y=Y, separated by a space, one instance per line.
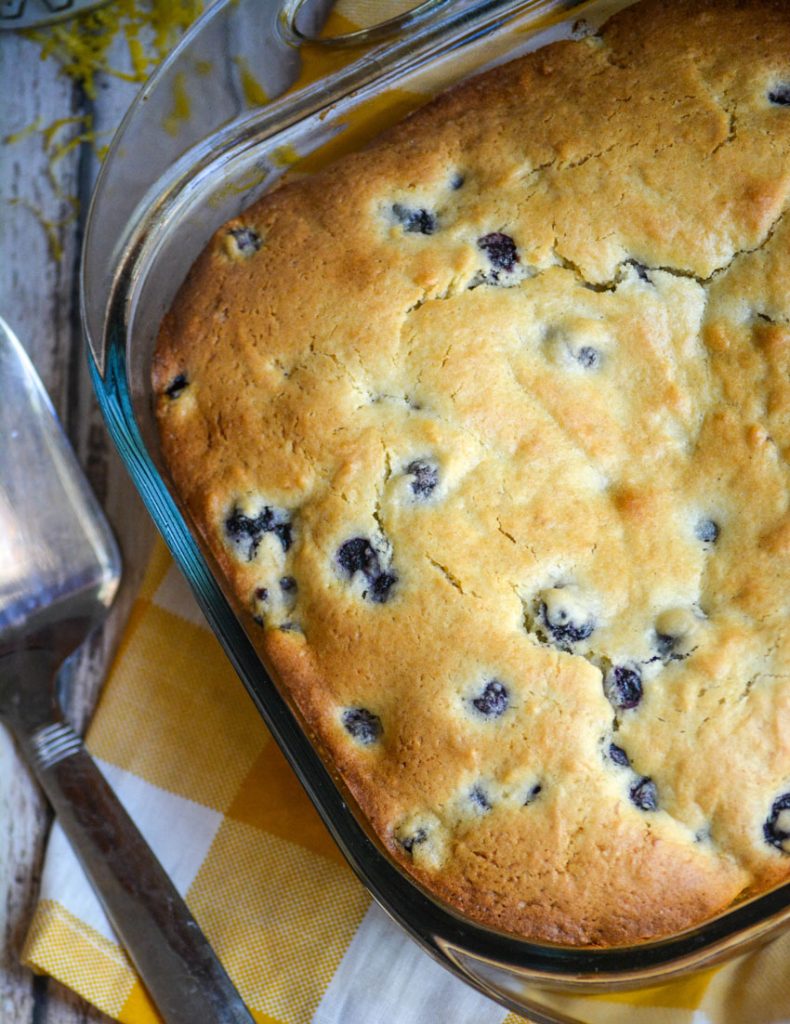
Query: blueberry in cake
x=488 y=427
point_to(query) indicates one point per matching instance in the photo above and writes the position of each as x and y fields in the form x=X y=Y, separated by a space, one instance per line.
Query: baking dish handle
x=362 y=37
x=504 y=986
x=531 y=1012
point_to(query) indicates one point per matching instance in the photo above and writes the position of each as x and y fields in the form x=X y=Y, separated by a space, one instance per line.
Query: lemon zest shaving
x=50 y=227
x=23 y=133
x=48 y=134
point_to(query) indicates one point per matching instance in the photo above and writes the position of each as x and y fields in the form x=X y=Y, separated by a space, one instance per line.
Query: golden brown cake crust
x=488 y=427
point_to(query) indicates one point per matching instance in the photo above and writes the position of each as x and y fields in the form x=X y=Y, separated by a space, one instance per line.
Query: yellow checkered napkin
x=181 y=743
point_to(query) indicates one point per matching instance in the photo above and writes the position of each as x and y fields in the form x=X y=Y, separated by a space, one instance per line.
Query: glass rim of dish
x=458 y=942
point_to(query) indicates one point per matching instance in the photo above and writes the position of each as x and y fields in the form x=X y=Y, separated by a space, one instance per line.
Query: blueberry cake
x=488 y=426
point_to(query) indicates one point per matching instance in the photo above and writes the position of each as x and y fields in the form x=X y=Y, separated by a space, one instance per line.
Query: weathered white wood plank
x=38 y=296
x=31 y=294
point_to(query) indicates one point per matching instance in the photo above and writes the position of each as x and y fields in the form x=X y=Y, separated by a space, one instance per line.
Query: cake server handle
x=187 y=982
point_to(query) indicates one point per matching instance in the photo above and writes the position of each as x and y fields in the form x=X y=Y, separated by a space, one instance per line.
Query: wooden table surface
x=40 y=237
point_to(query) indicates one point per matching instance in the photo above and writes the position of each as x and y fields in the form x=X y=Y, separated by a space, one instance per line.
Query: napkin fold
x=185 y=750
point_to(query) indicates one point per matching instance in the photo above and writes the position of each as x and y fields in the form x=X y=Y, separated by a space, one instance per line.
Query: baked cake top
x=488 y=426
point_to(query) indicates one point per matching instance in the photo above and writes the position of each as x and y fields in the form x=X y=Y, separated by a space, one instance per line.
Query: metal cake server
x=59 y=571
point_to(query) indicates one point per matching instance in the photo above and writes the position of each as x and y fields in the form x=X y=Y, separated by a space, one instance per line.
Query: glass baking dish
x=176 y=171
